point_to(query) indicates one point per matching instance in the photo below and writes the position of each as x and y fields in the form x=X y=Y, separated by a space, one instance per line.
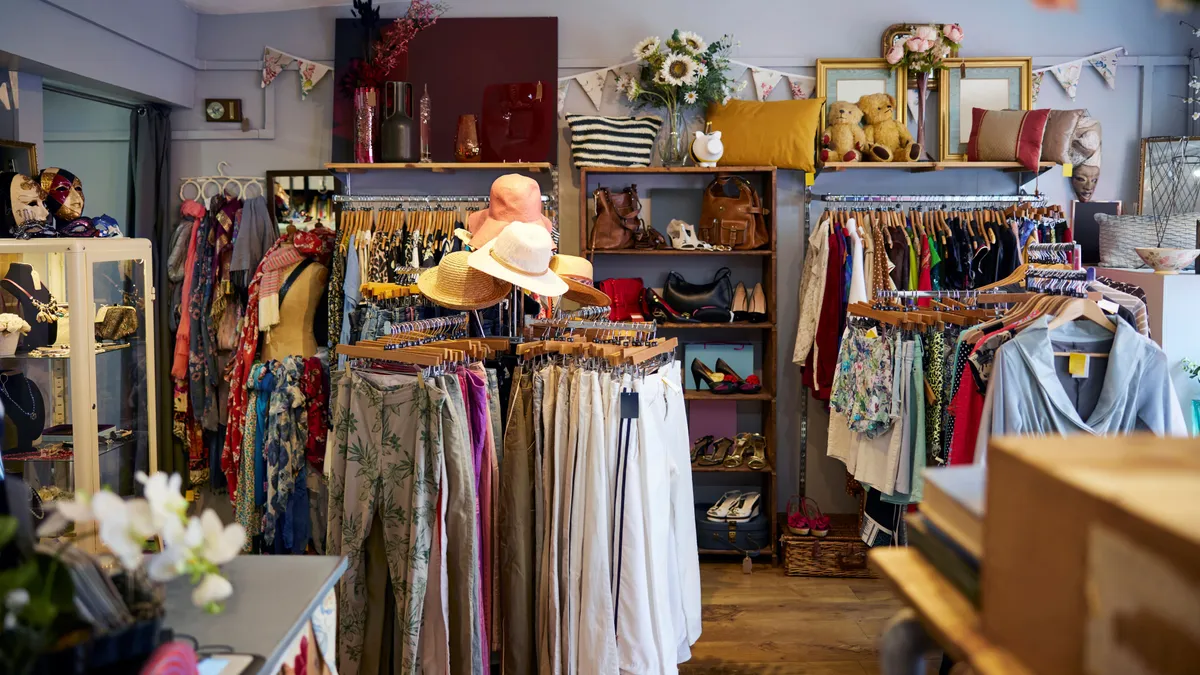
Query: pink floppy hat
x=514 y=198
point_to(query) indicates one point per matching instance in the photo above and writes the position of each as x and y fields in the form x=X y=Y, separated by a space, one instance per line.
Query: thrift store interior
x=454 y=337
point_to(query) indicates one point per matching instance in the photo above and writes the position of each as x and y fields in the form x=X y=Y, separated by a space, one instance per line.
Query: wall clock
x=223 y=110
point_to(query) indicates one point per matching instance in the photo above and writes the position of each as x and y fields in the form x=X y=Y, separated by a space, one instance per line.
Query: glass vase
x=1196 y=417
x=466 y=142
x=922 y=94
x=366 y=120
x=674 y=149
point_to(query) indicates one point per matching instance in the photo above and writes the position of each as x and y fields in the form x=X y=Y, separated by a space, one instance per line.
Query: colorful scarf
x=202 y=349
x=316 y=244
x=316 y=389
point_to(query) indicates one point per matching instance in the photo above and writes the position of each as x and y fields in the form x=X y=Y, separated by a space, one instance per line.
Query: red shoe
x=750 y=385
x=796 y=522
x=818 y=522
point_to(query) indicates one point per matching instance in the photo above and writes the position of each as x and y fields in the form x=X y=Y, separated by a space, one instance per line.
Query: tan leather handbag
x=735 y=221
x=617 y=219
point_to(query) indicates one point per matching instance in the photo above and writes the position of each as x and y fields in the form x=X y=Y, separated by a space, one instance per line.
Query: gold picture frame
x=17 y=152
x=858 y=76
x=998 y=80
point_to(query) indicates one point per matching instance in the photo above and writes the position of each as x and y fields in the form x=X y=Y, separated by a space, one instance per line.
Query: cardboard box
x=1092 y=553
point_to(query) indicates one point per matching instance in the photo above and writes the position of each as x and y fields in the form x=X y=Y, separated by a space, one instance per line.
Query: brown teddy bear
x=843 y=139
x=887 y=139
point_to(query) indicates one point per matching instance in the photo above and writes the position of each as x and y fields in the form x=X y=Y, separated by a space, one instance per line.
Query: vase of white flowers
x=12 y=327
x=678 y=75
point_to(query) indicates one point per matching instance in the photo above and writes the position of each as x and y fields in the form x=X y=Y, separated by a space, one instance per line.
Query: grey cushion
x=1119 y=235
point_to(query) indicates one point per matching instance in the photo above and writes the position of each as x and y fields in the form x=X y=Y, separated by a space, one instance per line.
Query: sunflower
x=678 y=70
x=692 y=42
x=647 y=47
x=690 y=98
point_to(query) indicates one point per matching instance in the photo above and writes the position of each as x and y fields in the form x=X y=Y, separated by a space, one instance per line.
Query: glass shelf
x=66 y=353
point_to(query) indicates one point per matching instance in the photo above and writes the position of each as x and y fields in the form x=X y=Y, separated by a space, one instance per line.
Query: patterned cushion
x=1007 y=136
x=1060 y=129
x=1119 y=235
x=612 y=141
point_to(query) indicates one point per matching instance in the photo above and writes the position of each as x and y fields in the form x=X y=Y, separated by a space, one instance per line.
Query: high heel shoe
x=758 y=460
x=661 y=311
x=757 y=310
x=677 y=236
x=750 y=385
x=741 y=303
x=700 y=447
x=715 y=381
x=716 y=454
x=741 y=444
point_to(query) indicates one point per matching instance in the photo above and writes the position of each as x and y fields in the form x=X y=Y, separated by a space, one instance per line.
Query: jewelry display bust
x=38 y=307
x=24 y=410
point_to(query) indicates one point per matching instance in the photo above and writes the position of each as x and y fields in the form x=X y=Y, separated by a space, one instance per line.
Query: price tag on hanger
x=1107 y=305
x=1077 y=365
x=629 y=405
x=809 y=177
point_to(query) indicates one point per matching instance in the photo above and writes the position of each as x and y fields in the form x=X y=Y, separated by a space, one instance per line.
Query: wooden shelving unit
x=438 y=167
x=763 y=178
x=923 y=167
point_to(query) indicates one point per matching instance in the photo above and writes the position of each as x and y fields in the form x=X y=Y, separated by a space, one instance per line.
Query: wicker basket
x=841 y=553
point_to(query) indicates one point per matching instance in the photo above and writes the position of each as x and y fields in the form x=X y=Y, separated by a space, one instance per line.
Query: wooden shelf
x=672 y=251
x=948 y=616
x=719 y=468
x=922 y=167
x=735 y=324
x=439 y=167
x=677 y=169
x=706 y=395
x=766 y=550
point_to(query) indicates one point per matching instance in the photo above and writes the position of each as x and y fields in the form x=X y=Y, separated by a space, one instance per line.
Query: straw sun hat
x=577 y=272
x=514 y=198
x=520 y=254
x=455 y=285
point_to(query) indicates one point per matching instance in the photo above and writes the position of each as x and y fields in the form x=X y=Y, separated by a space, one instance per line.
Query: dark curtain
x=149 y=218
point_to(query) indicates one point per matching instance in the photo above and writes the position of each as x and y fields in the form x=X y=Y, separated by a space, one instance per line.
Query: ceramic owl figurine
x=707 y=148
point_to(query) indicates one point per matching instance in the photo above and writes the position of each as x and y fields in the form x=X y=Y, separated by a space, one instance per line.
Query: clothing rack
x=583 y=313
x=903 y=295
x=574 y=324
x=417 y=199
x=910 y=199
x=456 y=322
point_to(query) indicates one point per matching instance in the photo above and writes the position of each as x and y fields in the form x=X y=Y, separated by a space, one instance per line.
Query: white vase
x=8 y=342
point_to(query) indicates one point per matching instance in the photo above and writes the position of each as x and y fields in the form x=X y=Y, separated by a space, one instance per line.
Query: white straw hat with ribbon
x=520 y=255
x=577 y=272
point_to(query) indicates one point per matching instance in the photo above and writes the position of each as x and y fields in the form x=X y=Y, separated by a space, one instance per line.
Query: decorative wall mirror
x=988 y=83
x=1169 y=176
x=851 y=79
x=302 y=198
x=19 y=157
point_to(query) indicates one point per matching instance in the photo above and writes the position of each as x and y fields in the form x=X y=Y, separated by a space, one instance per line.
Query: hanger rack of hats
x=220 y=183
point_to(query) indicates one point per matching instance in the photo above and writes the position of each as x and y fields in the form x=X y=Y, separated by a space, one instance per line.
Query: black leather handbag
x=691 y=298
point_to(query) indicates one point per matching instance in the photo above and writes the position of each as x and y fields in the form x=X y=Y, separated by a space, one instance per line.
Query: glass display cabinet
x=78 y=385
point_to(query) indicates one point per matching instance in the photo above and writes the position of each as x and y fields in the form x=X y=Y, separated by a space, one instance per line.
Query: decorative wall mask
x=64 y=193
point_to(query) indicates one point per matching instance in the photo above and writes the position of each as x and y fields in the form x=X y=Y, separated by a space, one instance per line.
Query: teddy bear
x=843 y=139
x=887 y=139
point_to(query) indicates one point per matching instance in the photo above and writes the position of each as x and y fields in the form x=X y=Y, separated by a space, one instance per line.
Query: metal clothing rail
x=574 y=324
x=902 y=295
x=456 y=321
x=920 y=199
x=417 y=199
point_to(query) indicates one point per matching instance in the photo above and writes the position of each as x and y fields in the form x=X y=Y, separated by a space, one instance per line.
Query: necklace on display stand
x=31 y=414
x=48 y=312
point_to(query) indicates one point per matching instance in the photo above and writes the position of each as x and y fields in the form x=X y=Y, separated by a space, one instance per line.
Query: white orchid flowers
x=195 y=546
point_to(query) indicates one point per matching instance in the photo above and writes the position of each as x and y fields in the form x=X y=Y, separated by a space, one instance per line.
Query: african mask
x=1085 y=155
x=25 y=213
x=64 y=193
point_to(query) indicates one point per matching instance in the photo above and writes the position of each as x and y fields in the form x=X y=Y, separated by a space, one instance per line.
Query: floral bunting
x=310 y=74
x=764 y=82
x=1067 y=75
x=593 y=85
x=12 y=88
x=562 y=95
x=4 y=95
x=1106 y=65
x=802 y=86
x=273 y=63
x=1037 y=85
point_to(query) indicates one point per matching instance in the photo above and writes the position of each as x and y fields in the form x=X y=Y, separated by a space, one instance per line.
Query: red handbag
x=626 y=296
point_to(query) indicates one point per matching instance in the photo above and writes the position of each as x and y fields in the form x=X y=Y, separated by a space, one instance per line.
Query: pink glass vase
x=366 y=124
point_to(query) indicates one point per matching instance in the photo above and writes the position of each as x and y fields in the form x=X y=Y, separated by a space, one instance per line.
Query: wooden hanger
x=1081 y=308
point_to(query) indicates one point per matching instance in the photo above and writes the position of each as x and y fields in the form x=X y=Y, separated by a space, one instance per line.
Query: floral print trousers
x=386 y=464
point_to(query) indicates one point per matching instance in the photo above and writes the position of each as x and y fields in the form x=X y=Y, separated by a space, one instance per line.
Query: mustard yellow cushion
x=770 y=133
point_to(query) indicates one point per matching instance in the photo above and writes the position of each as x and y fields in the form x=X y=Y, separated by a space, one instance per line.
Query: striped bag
x=612 y=141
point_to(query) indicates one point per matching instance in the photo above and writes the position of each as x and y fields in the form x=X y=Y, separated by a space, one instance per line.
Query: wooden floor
x=768 y=623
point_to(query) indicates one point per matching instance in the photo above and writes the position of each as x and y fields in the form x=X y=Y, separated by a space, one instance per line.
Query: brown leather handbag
x=617 y=219
x=735 y=221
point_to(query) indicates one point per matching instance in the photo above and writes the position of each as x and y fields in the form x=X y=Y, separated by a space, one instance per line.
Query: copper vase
x=466 y=142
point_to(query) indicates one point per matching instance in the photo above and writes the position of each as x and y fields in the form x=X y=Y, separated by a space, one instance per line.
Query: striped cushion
x=612 y=141
x=1119 y=235
x=1007 y=136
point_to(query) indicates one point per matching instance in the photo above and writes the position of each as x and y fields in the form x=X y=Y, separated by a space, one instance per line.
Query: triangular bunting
x=310 y=74
x=273 y=63
x=1106 y=65
x=802 y=87
x=14 y=90
x=563 y=85
x=4 y=95
x=764 y=81
x=593 y=85
x=1067 y=75
x=1037 y=85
